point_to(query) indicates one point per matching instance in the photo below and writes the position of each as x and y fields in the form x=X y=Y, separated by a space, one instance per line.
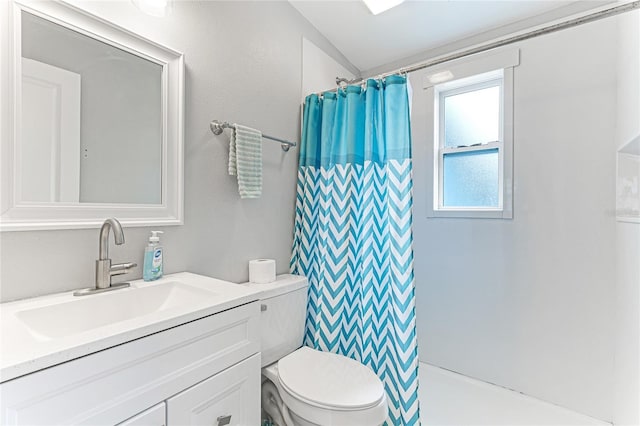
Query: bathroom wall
x=319 y=70
x=528 y=303
x=243 y=64
x=627 y=305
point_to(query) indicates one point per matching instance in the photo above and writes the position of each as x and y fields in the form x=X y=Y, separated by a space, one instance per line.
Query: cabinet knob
x=263 y=307
x=223 y=420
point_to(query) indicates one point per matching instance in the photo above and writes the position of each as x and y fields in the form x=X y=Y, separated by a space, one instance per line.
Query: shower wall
x=528 y=303
x=626 y=407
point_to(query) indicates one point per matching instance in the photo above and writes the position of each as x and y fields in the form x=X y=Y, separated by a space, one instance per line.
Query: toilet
x=302 y=386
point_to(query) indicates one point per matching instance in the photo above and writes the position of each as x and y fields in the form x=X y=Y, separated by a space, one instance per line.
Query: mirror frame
x=17 y=216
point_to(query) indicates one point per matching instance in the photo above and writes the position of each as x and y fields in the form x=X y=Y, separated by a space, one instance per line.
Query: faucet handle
x=122 y=268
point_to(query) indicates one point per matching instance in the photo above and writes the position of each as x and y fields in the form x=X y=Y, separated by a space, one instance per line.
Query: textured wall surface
x=243 y=64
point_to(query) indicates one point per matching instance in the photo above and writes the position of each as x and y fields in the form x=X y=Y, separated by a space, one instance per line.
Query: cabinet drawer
x=154 y=416
x=110 y=386
x=231 y=397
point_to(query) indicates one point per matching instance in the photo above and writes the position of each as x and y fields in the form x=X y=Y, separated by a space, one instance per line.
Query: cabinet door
x=109 y=386
x=231 y=397
x=154 y=416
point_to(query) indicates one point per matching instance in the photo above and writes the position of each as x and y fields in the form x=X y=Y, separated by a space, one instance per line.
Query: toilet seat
x=330 y=381
x=304 y=414
x=346 y=393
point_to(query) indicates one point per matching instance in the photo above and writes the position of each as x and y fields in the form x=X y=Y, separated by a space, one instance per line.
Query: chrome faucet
x=104 y=269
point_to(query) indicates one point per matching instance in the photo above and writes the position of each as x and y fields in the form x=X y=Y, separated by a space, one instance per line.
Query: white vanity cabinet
x=231 y=397
x=205 y=369
x=154 y=416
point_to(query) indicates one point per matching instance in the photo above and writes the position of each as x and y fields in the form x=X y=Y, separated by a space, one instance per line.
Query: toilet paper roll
x=262 y=271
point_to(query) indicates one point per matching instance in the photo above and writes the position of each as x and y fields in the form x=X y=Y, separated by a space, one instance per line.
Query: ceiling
x=416 y=29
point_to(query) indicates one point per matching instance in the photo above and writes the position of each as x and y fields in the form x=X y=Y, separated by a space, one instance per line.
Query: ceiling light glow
x=379 y=6
x=158 y=8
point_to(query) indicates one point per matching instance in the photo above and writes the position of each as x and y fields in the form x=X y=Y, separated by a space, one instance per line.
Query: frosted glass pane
x=470 y=179
x=473 y=117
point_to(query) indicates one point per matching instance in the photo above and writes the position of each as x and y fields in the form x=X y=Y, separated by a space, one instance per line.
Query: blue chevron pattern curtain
x=353 y=237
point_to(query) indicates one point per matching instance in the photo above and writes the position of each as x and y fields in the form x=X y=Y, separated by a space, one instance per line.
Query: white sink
x=44 y=331
x=94 y=311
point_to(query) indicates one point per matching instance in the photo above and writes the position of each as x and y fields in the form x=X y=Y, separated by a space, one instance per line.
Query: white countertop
x=23 y=351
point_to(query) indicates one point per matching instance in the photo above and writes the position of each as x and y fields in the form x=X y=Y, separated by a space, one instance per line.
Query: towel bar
x=217 y=127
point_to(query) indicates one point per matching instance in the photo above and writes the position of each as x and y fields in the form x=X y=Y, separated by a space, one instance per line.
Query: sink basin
x=90 y=312
x=48 y=330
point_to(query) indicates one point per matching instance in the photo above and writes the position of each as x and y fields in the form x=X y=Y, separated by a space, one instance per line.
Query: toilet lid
x=328 y=380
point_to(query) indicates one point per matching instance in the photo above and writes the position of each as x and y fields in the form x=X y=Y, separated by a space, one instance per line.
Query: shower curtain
x=352 y=235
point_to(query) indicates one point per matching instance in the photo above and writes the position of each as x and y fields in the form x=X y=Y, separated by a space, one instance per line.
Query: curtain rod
x=606 y=13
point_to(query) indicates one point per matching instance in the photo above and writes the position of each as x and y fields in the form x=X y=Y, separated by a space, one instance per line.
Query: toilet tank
x=283 y=305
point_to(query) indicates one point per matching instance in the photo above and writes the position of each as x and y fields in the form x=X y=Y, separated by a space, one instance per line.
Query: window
x=470 y=143
x=472 y=139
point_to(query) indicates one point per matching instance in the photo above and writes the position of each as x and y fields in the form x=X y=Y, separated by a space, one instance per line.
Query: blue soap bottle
x=152 y=269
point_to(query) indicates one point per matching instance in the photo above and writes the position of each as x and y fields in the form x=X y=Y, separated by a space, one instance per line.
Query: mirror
x=95 y=120
x=105 y=105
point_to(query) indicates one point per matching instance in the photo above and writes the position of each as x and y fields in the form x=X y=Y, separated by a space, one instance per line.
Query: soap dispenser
x=152 y=269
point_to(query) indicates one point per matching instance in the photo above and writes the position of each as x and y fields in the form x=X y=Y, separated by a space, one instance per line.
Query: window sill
x=470 y=213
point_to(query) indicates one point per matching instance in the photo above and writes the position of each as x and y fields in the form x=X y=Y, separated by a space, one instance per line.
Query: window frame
x=458 y=87
x=471 y=76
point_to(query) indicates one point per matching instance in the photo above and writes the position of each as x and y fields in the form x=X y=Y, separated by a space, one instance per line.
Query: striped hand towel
x=245 y=160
